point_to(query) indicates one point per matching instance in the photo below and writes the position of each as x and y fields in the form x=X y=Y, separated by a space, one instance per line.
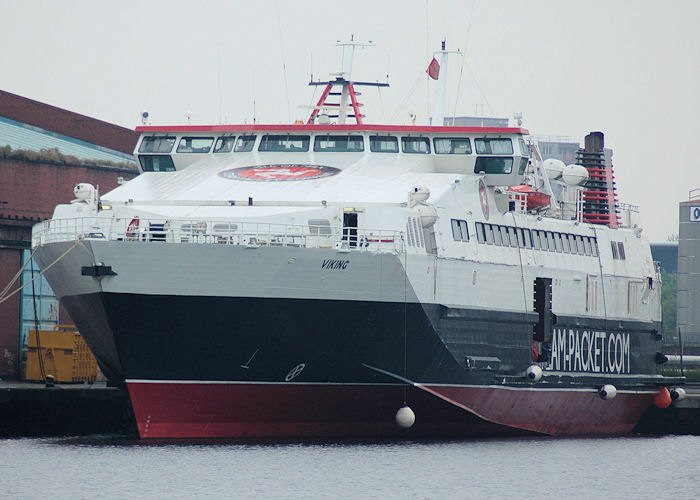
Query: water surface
x=117 y=467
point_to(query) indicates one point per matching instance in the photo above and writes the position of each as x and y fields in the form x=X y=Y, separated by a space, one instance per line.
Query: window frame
x=557 y=242
x=479 y=143
x=415 y=139
x=566 y=248
x=621 y=250
x=373 y=138
x=456 y=230
x=489 y=234
x=156 y=141
x=354 y=137
x=465 y=229
x=245 y=143
x=497 y=238
x=224 y=140
x=451 y=152
x=480 y=236
x=483 y=164
x=145 y=158
x=191 y=150
x=266 y=140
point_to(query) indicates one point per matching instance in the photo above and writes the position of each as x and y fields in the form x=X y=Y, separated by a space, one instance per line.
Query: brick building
x=44 y=152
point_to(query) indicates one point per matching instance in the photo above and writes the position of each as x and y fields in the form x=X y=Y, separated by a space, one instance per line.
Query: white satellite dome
x=575 y=175
x=84 y=191
x=553 y=168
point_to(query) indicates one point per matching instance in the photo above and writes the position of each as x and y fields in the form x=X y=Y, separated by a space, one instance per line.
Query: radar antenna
x=347 y=88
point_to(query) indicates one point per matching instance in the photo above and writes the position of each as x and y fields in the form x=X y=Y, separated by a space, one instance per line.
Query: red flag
x=433 y=69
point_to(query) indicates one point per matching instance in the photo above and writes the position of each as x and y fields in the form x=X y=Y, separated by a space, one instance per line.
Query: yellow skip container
x=64 y=353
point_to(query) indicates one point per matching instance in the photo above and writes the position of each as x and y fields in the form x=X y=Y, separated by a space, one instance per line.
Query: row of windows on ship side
x=537 y=239
x=332 y=143
x=493 y=147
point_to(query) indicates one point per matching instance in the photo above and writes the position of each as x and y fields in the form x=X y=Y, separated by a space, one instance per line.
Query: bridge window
x=284 y=143
x=493 y=165
x=195 y=144
x=493 y=146
x=157 y=144
x=524 y=149
x=523 y=165
x=224 y=144
x=156 y=163
x=244 y=144
x=452 y=146
x=383 y=144
x=339 y=143
x=420 y=145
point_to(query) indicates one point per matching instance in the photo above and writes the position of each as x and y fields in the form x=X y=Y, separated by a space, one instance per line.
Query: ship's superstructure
x=308 y=280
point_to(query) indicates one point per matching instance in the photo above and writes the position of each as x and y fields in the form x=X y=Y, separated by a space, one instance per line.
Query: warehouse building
x=44 y=152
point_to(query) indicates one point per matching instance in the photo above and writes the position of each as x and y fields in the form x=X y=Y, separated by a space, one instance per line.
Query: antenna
x=438 y=118
x=218 y=69
x=348 y=95
x=284 y=63
x=349 y=53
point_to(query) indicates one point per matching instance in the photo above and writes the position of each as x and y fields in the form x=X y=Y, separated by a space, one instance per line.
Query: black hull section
x=327 y=341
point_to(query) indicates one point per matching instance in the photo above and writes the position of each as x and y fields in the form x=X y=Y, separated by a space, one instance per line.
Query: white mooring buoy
x=677 y=393
x=534 y=373
x=607 y=392
x=405 y=417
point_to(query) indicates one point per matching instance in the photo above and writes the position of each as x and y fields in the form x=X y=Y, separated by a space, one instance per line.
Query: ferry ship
x=336 y=279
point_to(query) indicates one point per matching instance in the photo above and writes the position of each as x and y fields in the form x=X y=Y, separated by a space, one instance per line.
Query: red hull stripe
x=241 y=410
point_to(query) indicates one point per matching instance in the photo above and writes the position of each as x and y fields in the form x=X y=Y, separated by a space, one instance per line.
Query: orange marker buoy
x=663 y=398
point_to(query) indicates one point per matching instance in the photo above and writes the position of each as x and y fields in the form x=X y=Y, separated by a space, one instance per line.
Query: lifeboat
x=536 y=200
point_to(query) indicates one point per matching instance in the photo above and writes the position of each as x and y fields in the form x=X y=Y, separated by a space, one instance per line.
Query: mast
x=438 y=118
x=347 y=92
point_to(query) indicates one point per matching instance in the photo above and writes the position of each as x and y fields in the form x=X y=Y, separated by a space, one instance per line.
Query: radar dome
x=553 y=168
x=575 y=175
x=84 y=191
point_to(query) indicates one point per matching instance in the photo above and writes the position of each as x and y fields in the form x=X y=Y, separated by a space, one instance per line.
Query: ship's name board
x=590 y=351
x=334 y=264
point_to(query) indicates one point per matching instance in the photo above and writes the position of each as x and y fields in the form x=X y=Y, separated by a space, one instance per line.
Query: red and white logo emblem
x=483 y=197
x=279 y=172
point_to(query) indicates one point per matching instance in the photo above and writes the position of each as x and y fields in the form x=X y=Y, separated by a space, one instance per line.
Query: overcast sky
x=628 y=68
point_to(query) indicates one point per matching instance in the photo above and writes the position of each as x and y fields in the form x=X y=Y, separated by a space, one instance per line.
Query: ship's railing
x=217 y=232
x=628 y=215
